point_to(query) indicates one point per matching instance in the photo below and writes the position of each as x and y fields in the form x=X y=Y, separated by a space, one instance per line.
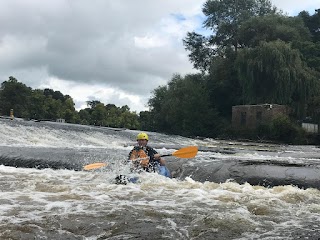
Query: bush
x=282 y=129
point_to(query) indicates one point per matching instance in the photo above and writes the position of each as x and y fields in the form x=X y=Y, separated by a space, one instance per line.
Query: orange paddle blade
x=187 y=152
x=94 y=166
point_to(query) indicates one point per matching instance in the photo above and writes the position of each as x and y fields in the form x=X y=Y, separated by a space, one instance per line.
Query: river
x=230 y=190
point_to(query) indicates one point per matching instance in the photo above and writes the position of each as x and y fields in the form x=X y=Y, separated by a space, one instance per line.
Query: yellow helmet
x=142 y=136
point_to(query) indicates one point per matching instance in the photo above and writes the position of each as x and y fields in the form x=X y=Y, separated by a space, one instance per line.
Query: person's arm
x=130 y=156
x=157 y=157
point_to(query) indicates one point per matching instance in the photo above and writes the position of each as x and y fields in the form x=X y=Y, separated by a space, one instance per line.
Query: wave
x=70 y=146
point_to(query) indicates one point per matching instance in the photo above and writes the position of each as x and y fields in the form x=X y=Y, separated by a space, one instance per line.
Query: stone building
x=251 y=116
x=61 y=120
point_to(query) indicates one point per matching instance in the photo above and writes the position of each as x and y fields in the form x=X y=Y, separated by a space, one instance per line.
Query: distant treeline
x=254 y=55
x=48 y=104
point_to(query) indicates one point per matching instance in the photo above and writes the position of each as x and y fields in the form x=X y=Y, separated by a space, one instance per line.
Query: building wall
x=61 y=120
x=250 y=116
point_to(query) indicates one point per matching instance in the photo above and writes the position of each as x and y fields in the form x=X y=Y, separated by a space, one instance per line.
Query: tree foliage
x=223 y=86
x=182 y=107
x=272 y=27
x=312 y=22
x=273 y=72
x=224 y=18
x=14 y=95
x=48 y=104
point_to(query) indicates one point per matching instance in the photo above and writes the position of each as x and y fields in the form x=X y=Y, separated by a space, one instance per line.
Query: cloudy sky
x=114 y=51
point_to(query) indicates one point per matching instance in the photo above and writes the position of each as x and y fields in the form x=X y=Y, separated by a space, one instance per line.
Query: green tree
x=224 y=18
x=312 y=22
x=156 y=107
x=129 y=120
x=37 y=107
x=310 y=52
x=99 y=115
x=69 y=113
x=57 y=95
x=271 y=28
x=183 y=108
x=15 y=95
x=273 y=72
x=85 y=116
x=54 y=108
x=92 y=104
x=147 y=120
x=221 y=81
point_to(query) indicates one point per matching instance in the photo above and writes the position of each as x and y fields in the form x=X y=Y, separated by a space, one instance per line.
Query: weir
x=303 y=173
x=266 y=173
x=28 y=144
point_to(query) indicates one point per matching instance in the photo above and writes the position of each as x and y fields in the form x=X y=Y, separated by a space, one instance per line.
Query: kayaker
x=146 y=157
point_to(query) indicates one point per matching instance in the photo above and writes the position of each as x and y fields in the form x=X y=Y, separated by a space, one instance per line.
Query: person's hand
x=157 y=156
x=144 y=162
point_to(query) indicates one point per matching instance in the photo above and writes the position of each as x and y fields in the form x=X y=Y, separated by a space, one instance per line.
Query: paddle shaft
x=166 y=155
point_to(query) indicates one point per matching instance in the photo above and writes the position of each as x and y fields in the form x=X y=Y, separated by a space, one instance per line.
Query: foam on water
x=53 y=135
x=55 y=138
x=77 y=204
x=32 y=195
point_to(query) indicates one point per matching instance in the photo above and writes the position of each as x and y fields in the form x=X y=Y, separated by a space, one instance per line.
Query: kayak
x=123 y=179
x=164 y=171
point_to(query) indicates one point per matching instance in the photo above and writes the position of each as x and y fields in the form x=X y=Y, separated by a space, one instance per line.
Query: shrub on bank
x=280 y=130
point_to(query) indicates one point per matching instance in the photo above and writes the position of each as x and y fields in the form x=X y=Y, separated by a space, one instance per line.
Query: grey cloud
x=93 y=42
x=89 y=41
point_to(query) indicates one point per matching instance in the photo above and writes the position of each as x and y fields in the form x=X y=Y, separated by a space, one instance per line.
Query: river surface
x=230 y=190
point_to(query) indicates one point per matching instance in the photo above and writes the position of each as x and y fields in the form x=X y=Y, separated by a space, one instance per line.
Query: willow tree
x=223 y=18
x=273 y=72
